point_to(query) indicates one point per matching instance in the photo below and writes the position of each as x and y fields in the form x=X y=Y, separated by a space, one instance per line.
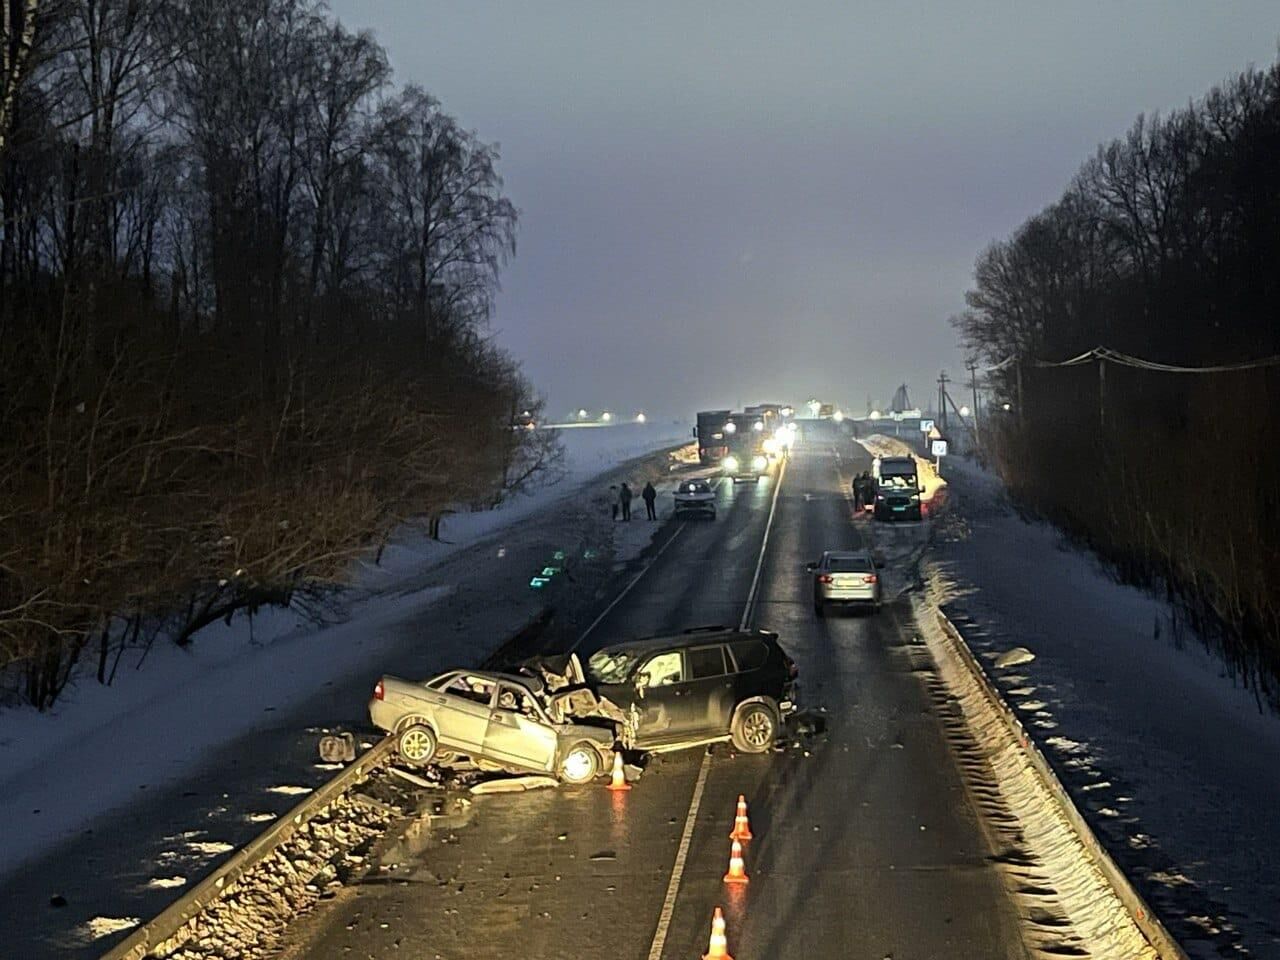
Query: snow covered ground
x=163 y=716
x=1172 y=763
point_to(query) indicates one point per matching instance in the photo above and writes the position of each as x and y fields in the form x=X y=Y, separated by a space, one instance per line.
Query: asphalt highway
x=866 y=843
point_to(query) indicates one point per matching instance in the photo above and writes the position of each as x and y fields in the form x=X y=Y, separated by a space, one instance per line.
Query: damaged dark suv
x=667 y=693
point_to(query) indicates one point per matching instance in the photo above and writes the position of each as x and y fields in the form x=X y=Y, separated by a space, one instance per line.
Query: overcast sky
x=734 y=202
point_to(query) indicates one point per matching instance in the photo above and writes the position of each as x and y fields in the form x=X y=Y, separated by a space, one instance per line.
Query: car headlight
x=759 y=463
x=730 y=463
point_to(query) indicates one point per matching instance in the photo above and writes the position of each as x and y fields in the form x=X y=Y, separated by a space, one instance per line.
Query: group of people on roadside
x=622 y=505
x=864 y=490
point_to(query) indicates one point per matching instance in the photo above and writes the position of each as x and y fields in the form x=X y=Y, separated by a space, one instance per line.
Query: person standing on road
x=624 y=501
x=612 y=489
x=648 y=494
x=857 y=492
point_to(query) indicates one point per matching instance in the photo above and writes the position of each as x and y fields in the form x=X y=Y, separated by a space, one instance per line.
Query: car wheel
x=581 y=764
x=754 y=729
x=819 y=608
x=417 y=744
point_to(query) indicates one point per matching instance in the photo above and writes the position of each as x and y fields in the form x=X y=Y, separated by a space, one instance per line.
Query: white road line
x=627 y=589
x=764 y=544
x=682 y=854
x=686 y=838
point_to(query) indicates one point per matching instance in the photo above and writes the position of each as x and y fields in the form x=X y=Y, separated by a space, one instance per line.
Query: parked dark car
x=700 y=686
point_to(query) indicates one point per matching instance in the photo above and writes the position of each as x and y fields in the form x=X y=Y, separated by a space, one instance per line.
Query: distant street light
x=582 y=414
x=838 y=416
x=875 y=414
x=639 y=418
x=606 y=416
x=1007 y=406
x=964 y=411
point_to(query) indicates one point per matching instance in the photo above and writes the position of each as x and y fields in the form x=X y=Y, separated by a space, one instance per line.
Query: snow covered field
x=101 y=745
x=1174 y=766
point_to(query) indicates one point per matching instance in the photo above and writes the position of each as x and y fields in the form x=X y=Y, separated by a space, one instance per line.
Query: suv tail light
x=825 y=578
x=379 y=691
x=870 y=578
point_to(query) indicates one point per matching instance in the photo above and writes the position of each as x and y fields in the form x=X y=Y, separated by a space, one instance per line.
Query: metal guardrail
x=196 y=900
x=1146 y=921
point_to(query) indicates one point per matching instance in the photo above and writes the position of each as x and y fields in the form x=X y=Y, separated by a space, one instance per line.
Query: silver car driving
x=845 y=577
x=498 y=720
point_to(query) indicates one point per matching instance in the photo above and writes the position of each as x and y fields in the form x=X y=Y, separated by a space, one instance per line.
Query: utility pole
x=973 y=385
x=943 y=380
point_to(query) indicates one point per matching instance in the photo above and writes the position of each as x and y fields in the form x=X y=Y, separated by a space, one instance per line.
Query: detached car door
x=519 y=732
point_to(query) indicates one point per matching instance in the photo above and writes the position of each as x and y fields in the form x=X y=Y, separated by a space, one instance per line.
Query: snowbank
x=588 y=453
x=1174 y=766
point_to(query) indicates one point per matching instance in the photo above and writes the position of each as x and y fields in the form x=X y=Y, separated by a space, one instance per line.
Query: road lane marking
x=764 y=545
x=686 y=838
x=682 y=854
x=627 y=589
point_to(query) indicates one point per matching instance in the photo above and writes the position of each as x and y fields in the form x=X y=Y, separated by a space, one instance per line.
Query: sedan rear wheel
x=581 y=764
x=417 y=744
x=754 y=729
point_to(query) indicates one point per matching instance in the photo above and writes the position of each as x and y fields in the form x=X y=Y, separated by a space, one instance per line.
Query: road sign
x=926 y=426
x=939 y=448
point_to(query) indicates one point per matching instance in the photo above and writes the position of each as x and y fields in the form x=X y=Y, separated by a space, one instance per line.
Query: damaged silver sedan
x=498 y=721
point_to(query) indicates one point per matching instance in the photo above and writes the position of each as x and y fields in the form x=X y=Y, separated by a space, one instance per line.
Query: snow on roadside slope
x=156 y=723
x=1173 y=765
x=589 y=452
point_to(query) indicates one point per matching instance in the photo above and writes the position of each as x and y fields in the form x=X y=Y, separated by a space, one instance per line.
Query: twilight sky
x=734 y=202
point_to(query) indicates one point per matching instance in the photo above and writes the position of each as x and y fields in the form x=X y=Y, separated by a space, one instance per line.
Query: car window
x=849 y=564
x=749 y=654
x=664 y=669
x=706 y=662
x=517 y=701
x=476 y=689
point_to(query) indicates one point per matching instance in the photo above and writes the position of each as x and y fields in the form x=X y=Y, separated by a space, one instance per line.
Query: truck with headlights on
x=746 y=460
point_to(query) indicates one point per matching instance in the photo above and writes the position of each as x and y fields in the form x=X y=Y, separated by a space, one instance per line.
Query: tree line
x=244 y=287
x=1164 y=246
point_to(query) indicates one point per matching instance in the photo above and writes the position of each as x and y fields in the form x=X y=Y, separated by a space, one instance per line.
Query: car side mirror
x=811 y=566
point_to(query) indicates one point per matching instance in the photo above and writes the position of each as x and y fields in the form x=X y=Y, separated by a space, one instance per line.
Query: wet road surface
x=866 y=843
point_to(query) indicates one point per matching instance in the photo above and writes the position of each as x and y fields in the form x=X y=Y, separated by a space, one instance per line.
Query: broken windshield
x=611 y=666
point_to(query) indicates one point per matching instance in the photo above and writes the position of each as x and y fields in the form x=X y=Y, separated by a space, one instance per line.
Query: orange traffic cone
x=737 y=869
x=718 y=948
x=741 y=826
x=619 y=780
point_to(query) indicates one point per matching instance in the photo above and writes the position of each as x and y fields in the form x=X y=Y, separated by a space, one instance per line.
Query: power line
x=1138 y=363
